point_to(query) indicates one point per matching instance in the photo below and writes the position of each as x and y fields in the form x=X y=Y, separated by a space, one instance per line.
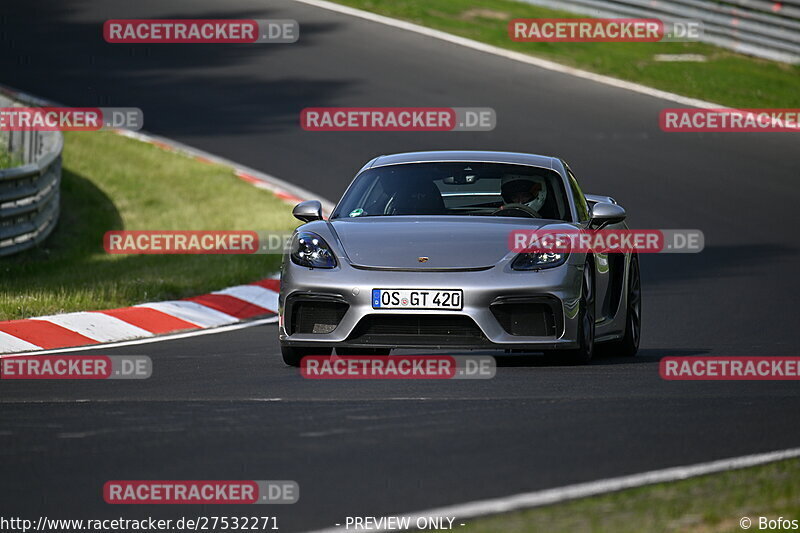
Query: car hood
x=466 y=242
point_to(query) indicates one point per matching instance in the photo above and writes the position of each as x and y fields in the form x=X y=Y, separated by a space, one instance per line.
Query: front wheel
x=292 y=356
x=583 y=353
x=628 y=345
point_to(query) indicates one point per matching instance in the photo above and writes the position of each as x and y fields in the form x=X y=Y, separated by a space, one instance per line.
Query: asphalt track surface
x=223 y=406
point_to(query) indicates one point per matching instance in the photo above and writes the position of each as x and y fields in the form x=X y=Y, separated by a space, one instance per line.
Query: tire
x=293 y=355
x=363 y=351
x=585 y=350
x=628 y=345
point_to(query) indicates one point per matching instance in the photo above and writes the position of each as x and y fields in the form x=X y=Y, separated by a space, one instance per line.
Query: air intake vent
x=526 y=319
x=315 y=316
x=419 y=330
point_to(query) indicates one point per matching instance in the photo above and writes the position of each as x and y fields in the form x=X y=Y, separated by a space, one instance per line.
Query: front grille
x=315 y=316
x=417 y=330
x=527 y=319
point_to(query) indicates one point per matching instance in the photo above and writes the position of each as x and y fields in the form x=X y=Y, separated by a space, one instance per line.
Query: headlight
x=311 y=250
x=538 y=260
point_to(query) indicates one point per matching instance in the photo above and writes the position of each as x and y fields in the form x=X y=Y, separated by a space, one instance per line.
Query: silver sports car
x=416 y=255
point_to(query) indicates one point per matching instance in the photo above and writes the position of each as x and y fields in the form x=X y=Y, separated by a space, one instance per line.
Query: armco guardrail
x=754 y=27
x=29 y=192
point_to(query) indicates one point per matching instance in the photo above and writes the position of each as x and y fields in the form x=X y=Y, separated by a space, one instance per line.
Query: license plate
x=417 y=299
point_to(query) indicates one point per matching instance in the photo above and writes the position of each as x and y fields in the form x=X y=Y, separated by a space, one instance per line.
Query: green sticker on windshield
x=356 y=212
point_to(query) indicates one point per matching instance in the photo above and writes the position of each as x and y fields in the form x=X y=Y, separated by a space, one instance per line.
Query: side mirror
x=604 y=214
x=308 y=210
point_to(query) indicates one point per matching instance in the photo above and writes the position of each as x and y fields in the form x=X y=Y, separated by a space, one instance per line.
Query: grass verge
x=713 y=503
x=726 y=78
x=111 y=182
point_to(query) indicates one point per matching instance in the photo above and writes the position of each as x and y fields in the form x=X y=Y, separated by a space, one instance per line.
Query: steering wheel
x=514 y=210
x=390 y=207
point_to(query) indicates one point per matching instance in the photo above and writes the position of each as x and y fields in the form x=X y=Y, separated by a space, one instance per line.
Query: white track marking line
x=138 y=400
x=160 y=338
x=205 y=400
x=539 y=498
x=515 y=56
x=96 y=326
x=193 y=312
x=253 y=294
x=10 y=343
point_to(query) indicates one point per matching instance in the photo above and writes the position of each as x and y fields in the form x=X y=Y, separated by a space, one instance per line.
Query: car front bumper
x=348 y=290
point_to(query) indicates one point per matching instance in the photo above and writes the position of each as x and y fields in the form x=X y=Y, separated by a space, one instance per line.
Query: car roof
x=465 y=155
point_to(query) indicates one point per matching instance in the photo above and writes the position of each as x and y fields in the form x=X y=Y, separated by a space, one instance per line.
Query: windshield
x=456 y=188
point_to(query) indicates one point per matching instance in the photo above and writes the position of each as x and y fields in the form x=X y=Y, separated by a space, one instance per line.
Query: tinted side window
x=580 y=200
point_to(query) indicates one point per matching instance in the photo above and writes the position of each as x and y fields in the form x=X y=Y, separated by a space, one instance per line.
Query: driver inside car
x=530 y=191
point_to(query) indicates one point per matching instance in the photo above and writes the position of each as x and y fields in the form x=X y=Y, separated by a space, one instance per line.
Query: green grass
x=713 y=503
x=726 y=78
x=111 y=182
